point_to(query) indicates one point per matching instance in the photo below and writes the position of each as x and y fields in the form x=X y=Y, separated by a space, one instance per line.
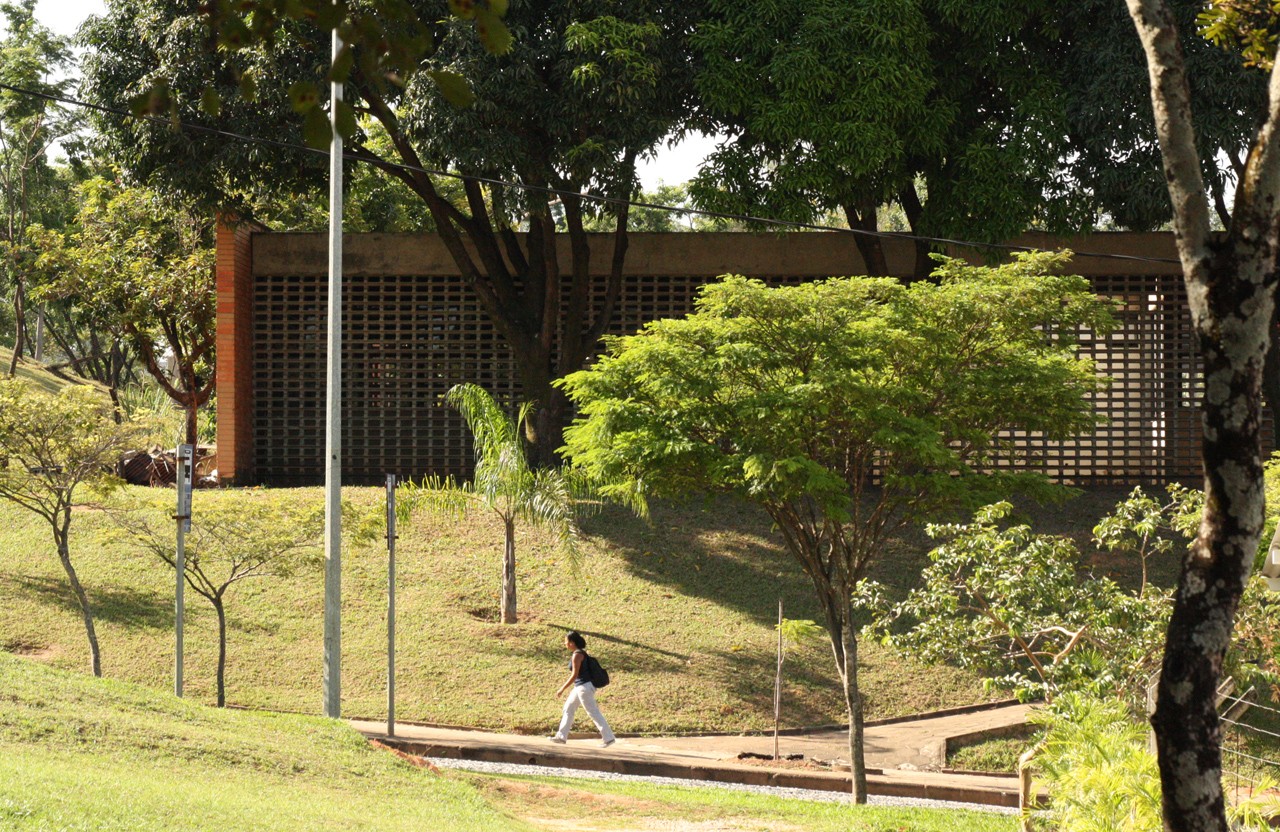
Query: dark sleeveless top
x=583 y=677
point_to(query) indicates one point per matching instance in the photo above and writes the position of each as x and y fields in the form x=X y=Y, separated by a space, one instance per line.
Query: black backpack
x=597 y=674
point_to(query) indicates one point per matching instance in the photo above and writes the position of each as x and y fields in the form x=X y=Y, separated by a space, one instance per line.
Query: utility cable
x=542 y=189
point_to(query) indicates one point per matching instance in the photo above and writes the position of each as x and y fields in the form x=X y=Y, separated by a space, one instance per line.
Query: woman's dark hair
x=577 y=640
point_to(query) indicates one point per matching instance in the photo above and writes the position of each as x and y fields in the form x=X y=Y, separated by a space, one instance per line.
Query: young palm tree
x=503 y=483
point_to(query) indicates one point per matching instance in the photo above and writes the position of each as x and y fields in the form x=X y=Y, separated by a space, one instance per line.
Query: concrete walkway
x=898 y=755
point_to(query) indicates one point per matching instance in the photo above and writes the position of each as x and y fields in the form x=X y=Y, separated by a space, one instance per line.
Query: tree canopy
x=843 y=408
x=979 y=119
x=583 y=91
x=142 y=266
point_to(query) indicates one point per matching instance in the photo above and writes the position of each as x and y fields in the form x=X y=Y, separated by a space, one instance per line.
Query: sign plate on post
x=186 y=464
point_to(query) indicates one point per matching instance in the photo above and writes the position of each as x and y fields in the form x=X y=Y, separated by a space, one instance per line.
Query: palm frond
x=442 y=496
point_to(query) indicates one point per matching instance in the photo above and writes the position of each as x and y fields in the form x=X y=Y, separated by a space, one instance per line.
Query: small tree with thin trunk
x=53 y=449
x=503 y=482
x=844 y=408
x=233 y=538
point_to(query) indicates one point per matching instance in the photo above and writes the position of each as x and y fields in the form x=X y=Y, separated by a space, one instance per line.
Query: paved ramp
x=900 y=755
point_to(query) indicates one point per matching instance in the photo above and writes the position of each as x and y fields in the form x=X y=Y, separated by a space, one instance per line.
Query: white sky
x=63 y=16
x=672 y=165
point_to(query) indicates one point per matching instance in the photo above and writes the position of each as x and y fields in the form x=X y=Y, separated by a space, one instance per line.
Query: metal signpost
x=185 y=455
x=391 y=605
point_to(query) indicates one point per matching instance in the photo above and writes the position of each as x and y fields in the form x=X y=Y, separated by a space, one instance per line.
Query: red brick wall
x=234 y=273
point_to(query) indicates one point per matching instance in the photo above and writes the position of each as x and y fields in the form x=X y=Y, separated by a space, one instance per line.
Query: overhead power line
x=542 y=189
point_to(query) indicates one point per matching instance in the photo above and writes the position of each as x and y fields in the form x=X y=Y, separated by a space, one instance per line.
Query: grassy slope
x=78 y=753
x=81 y=753
x=680 y=610
x=684 y=610
x=38 y=377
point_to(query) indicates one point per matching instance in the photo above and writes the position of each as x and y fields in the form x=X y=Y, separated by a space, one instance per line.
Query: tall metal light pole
x=333 y=421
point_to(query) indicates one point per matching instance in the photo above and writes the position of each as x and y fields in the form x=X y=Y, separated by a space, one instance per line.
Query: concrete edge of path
x=988 y=790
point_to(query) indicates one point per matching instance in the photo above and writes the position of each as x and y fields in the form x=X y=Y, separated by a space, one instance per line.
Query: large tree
x=142 y=267
x=33 y=58
x=844 y=409
x=585 y=89
x=1231 y=282
x=979 y=120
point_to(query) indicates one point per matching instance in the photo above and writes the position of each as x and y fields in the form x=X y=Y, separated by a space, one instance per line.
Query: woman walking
x=583 y=693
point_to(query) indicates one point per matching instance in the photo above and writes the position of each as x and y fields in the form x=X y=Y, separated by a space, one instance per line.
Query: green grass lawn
x=681 y=610
x=39 y=377
x=80 y=753
x=560 y=803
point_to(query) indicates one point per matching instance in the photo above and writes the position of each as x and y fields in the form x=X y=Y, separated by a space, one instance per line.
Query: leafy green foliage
x=795 y=395
x=1100 y=774
x=31 y=189
x=143 y=267
x=1012 y=605
x=1247 y=26
x=503 y=482
x=980 y=120
x=53 y=447
x=1017 y=607
x=844 y=408
x=1102 y=778
x=385 y=40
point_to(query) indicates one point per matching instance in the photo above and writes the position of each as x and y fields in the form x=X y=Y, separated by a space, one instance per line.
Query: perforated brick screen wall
x=409 y=337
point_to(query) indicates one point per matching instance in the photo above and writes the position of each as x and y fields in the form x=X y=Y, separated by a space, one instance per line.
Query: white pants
x=585 y=695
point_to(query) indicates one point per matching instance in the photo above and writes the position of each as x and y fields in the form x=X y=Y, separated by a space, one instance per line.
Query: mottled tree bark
x=1230 y=290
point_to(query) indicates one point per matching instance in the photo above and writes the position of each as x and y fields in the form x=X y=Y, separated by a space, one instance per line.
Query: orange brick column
x=234 y=273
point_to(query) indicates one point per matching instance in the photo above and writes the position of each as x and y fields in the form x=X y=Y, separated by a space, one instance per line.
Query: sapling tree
x=254 y=535
x=503 y=482
x=793 y=632
x=1015 y=606
x=1018 y=607
x=53 y=449
x=843 y=408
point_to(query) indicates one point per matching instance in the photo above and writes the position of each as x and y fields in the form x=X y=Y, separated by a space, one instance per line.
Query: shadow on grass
x=726 y=552
x=115 y=604
x=608 y=639
x=636 y=658
x=749 y=676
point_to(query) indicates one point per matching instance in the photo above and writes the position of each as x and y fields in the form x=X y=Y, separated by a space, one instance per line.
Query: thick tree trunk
x=869 y=246
x=222 y=651
x=1234 y=334
x=544 y=432
x=1271 y=379
x=192 y=408
x=509 y=574
x=61 y=535
x=853 y=703
x=1231 y=295
x=914 y=209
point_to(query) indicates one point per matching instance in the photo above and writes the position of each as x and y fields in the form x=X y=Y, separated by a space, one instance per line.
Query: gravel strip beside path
x=795 y=794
